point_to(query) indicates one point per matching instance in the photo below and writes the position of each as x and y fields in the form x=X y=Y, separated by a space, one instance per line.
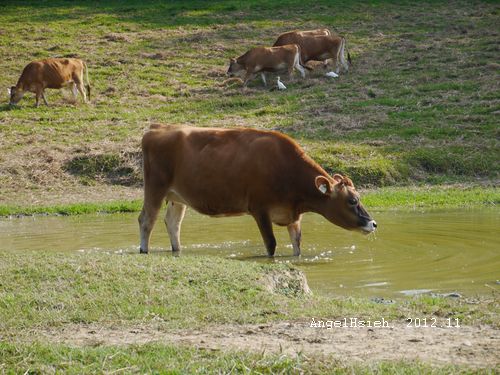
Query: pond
x=436 y=251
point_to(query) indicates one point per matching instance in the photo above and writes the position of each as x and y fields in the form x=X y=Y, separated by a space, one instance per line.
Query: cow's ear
x=338 y=177
x=323 y=185
x=232 y=60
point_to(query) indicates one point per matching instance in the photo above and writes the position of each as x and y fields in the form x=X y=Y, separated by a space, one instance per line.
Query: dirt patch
x=472 y=346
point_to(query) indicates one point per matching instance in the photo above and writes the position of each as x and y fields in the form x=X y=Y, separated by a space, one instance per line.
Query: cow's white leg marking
x=296 y=65
x=263 y=76
x=173 y=220
x=301 y=70
x=295 y=236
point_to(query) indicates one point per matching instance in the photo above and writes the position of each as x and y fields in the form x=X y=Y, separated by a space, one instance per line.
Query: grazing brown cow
x=266 y=59
x=51 y=74
x=318 y=45
x=224 y=172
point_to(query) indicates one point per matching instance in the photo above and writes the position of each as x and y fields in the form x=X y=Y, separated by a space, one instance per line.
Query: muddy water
x=413 y=252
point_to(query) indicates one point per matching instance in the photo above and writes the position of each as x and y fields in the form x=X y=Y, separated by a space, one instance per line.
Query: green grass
x=419 y=105
x=73 y=209
x=421 y=197
x=158 y=358
x=54 y=292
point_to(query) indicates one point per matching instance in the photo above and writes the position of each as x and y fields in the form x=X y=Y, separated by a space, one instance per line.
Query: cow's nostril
x=374 y=224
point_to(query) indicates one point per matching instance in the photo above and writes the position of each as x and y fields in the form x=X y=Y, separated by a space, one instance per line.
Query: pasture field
x=420 y=105
x=414 y=123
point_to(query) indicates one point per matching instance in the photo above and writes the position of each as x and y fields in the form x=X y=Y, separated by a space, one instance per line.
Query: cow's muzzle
x=369 y=227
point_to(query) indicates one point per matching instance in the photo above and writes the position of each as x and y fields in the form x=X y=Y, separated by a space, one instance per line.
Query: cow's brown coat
x=318 y=45
x=222 y=172
x=53 y=73
x=266 y=59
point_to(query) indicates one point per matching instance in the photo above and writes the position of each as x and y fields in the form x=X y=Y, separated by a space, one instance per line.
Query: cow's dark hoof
x=142 y=251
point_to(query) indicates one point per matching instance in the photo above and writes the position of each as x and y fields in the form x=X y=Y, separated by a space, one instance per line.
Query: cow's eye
x=353 y=201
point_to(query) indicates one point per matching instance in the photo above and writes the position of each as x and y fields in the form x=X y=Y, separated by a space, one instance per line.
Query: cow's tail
x=87 y=86
x=349 y=60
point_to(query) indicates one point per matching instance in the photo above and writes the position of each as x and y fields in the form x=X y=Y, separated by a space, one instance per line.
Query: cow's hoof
x=142 y=251
x=176 y=253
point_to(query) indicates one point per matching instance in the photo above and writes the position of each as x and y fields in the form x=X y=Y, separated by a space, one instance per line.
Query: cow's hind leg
x=81 y=90
x=295 y=235
x=173 y=220
x=266 y=230
x=147 y=218
x=44 y=99
x=301 y=70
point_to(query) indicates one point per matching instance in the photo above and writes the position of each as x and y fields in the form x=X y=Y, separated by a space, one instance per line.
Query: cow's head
x=15 y=94
x=341 y=204
x=235 y=68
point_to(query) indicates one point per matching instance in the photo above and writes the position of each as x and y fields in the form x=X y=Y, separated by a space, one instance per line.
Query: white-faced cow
x=266 y=59
x=51 y=74
x=318 y=45
x=224 y=172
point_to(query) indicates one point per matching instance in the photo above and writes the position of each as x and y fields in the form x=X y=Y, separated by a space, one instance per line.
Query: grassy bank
x=53 y=293
x=156 y=358
x=419 y=104
x=406 y=198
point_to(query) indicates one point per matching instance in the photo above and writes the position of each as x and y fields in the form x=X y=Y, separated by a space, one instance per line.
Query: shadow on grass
x=8 y=107
x=168 y=14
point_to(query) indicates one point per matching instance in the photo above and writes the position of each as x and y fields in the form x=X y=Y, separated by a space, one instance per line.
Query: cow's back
x=224 y=171
x=51 y=73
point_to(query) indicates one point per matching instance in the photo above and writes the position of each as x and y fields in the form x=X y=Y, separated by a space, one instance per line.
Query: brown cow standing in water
x=51 y=74
x=224 y=172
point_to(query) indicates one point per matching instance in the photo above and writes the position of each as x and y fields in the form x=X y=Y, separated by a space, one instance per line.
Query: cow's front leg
x=295 y=235
x=173 y=220
x=248 y=76
x=266 y=230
